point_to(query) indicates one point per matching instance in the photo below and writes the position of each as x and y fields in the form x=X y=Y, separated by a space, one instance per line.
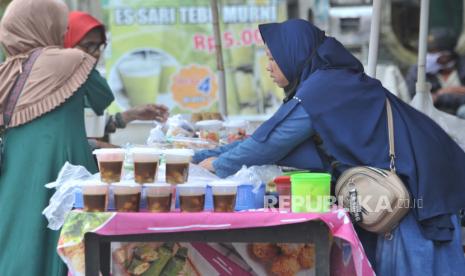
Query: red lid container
x=283 y=185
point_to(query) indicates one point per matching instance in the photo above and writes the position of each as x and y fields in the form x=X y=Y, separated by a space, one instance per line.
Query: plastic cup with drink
x=177 y=165
x=224 y=195
x=95 y=194
x=191 y=196
x=158 y=197
x=110 y=163
x=146 y=162
x=127 y=196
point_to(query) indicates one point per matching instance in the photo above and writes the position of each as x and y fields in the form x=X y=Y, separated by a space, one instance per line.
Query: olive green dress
x=34 y=154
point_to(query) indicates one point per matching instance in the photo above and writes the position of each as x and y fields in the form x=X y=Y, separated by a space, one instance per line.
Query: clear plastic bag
x=62 y=200
x=453 y=125
x=156 y=136
x=179 y=127
x=256 y=175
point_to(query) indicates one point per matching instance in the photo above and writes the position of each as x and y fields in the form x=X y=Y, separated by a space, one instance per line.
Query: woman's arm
x=288 y=134
x=201 y=155
x=98 y=94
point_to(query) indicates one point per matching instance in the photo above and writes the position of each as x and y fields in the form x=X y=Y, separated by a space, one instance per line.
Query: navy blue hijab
x=347 y=109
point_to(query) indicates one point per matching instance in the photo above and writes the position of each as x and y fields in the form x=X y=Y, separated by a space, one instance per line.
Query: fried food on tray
x=285 y=266
x=289 y=249
x=137 y=267
x=146 y=253
x=307 y=256
x=264 y=251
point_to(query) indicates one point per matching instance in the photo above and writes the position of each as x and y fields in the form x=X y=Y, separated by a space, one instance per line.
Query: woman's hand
x=208 y=164
x=146 y=112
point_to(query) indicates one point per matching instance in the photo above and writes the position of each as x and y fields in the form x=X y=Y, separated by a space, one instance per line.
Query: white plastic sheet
x=63 y=199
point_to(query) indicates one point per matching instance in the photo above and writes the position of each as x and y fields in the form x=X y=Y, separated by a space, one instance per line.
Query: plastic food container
x=235 y=130
x=95 y=124
x=210 y=130
x=283 y=187
x=310 y=192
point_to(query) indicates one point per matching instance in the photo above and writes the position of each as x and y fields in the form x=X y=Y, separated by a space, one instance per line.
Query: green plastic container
x=295 y=172
x=310 y=192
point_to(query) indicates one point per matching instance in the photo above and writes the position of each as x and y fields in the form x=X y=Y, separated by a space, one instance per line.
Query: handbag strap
x=18 y=87
x=392 y=155
x=390 y=124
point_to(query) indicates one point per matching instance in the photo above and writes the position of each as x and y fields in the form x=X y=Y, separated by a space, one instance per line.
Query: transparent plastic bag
x=156 y=136
x=62 y=200
x=453 y=125
x=179 y=127
x=256 y=175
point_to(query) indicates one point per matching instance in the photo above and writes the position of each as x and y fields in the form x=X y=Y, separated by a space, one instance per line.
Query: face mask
x=432 y=65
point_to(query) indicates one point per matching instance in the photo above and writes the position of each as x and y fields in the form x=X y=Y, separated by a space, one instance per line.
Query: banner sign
x=163 y=51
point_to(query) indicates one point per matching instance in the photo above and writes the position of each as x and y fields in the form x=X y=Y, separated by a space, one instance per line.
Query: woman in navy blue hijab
x=328 y=93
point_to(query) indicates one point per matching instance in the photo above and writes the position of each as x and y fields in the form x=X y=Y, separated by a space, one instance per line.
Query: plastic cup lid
x=93 y=187
x=209 y=124
x=191 y=189
x=179 y=152
x=224 y=187
x=109 y=151
x=141 y=150
x=126 y=187
x=310 y=176
x=224 y=183
x=282 y=180
x=235 y=124
x=160 y=189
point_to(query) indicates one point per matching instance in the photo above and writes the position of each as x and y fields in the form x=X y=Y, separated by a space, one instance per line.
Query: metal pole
x=219 y=60
x=374 y=38
x=421 y=86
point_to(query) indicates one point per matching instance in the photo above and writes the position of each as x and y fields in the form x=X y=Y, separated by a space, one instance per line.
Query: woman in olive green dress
x=46 y=130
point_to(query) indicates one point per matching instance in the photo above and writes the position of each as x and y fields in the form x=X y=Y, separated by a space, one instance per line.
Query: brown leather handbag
x=377 y=199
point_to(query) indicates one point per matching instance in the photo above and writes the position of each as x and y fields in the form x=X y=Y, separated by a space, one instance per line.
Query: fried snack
x=146 y=253
x=290 y=249
x=176 y=264
x=285 y=266
x=137 y=267
x=165 y=253
x=264 y=251
x=307 y=256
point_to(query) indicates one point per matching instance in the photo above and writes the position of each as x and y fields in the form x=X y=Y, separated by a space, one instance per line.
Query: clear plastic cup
x=177 y=165
x=210 y=130
x=127 y=196
x=191 y=196
x=110 y=163
x=224 y=195
x=158 y=197
x=145 y=164
x=95 y=195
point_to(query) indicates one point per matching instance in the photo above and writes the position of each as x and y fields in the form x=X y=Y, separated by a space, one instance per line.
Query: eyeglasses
x=92 y=47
